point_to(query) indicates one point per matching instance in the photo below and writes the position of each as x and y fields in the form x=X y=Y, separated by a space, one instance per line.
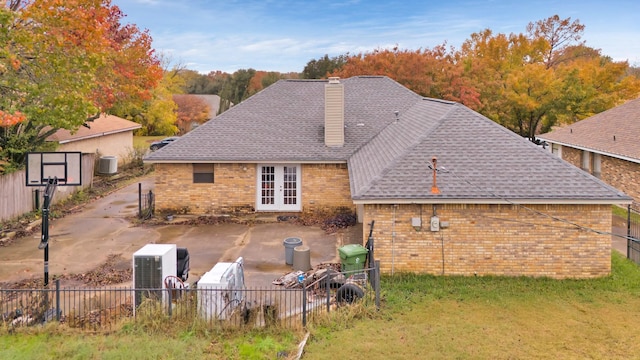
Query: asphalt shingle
x=285 y=123
x=388 y=155
x=614 y=132
x=479 y=160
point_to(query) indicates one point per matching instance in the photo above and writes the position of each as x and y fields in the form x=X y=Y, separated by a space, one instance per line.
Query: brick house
x=605 y=145
x=107 y=135
x=492 y=203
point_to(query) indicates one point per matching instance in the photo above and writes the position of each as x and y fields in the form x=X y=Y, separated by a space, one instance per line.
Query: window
x=202 y=173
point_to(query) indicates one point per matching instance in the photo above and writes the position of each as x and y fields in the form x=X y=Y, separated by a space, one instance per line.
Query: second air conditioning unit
x=108 y=165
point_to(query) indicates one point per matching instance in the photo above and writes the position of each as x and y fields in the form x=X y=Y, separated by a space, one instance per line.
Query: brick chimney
x=334 y=113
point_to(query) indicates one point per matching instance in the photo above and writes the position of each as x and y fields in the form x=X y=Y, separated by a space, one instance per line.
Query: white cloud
x=284 y=36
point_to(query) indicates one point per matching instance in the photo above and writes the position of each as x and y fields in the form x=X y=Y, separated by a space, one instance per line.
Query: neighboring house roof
x=614 y=132
x=479 y=161
x=103 y=125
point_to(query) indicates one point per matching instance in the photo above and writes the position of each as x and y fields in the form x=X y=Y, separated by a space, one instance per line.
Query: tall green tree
x=196 y=83
x=236 y=88
x=321 y=67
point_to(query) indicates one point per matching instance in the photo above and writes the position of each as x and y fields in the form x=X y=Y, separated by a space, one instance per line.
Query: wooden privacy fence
x=16 y=198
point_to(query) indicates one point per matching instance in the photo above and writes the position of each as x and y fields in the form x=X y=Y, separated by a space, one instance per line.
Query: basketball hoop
x=50 y=169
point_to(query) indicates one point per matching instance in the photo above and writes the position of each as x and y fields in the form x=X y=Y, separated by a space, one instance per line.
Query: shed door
x=278 y=188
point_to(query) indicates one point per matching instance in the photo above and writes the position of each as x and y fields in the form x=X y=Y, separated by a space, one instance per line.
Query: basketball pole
x=44 y=240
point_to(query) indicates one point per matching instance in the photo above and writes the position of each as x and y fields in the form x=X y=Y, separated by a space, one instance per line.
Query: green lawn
x=143 y=142
x=422 y=317
x=497 y=318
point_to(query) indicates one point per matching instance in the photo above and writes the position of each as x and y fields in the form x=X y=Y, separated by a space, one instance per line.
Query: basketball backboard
x=66 y=167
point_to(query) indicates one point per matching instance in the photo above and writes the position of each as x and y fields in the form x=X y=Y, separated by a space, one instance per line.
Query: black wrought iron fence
x=633 y=234
x=146 y=203
x=106 y=308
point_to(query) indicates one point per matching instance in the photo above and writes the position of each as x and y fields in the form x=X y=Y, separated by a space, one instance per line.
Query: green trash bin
x=352 y=258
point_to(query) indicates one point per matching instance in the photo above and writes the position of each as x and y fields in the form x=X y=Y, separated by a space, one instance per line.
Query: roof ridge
x=408 y=146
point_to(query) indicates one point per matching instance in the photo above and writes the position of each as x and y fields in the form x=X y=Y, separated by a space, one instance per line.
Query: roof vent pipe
x=334 y=113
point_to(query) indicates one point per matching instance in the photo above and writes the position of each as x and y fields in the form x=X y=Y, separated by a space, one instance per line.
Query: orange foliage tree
x=62 y=63
x=531 y=82
x=192 y=109
x=431 y=72
x=527 y=82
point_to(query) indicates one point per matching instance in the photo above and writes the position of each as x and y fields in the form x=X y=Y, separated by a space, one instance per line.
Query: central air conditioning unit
x=151 y=265
x=108 y=165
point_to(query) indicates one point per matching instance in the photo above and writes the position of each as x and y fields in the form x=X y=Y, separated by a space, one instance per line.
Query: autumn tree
x=430 y=72
x=158 y=114
x=232 y=88
x=64 y=63
x=531 y=82
x=592 y=84
x=192 y=109
x=505 y=70
x=261 y=80
x=559 y=35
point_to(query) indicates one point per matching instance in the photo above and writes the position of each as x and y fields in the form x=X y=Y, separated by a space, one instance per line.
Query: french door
x=278 y=187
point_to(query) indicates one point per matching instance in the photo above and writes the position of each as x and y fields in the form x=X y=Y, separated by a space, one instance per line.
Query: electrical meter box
x=435 y=223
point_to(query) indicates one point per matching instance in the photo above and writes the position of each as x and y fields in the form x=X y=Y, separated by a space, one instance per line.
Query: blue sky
x=284 y=35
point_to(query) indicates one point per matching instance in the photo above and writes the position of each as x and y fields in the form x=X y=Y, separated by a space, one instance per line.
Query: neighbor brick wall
x=493 y=239
x=325 y=187
x=119 y=144
x=621 y=174
x=572 y=156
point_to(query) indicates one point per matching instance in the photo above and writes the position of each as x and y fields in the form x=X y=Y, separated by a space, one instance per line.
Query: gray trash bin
x=301 y=258
x=289 y=245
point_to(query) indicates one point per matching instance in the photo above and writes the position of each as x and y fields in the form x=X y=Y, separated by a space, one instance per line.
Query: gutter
x=619 y=201
x=613 y=155
x=164 y=161
x=95 y=135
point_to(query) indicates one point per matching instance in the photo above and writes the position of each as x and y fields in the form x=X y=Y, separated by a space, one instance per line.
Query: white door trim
x=278 y=187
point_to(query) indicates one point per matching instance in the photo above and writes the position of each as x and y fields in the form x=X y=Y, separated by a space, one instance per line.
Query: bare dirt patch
x=115 y=270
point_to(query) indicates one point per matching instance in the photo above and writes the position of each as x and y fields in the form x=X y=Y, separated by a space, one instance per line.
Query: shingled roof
x=103 y=125
x=285 y=123
x=479 y=161
x=614 y=133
